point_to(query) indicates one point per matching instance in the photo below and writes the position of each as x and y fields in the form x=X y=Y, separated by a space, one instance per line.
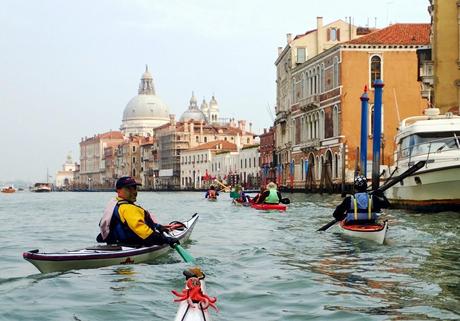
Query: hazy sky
x=68 y=68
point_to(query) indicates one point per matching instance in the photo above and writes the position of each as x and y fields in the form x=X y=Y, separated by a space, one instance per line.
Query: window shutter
x=328 y=34
x=338 y=34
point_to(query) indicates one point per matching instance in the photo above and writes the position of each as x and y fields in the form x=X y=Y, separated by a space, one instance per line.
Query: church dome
x=145 y=111
x=193 y=112
x=146 y=107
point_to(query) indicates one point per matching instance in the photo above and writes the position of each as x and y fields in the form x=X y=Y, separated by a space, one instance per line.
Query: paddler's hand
x=160 y=228
x=171 y=241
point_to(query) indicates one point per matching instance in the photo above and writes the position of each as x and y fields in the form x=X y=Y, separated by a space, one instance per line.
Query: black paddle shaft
x=386 y=186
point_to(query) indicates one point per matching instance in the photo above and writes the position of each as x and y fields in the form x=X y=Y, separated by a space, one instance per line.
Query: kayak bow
x=194 y=302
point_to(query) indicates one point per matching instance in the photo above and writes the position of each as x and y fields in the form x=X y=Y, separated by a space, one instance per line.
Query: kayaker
x=130 y=224
x=271 y=195
x=212 y=193
x=256 y=198
x=362 y=207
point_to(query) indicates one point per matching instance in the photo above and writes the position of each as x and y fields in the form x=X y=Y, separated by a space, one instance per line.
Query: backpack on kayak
x=360 y=209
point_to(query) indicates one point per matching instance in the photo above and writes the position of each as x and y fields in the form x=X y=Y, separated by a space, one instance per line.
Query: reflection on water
x=261 y=266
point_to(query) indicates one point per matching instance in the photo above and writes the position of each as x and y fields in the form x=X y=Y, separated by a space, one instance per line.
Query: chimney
x=289 y=38
x=172 y=119
x=250 y=127
x=265 y=130
x=320 y=38
x=280 y=50
x=319 y=22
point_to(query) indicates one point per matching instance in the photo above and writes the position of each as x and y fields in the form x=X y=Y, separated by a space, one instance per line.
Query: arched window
x=333 y=34
x=336 y=72
x=375 y=68
x=321 y=125
x=335 y=121
x=322 y=80
x=318 y=79
x=205 y=139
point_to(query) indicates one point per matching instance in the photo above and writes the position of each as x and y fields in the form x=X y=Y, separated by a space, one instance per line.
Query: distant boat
x=41 y=188
x=8 y=189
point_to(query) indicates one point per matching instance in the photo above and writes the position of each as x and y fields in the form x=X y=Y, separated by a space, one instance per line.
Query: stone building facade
x=92 y=163
x=317 y=136
x=445 y=54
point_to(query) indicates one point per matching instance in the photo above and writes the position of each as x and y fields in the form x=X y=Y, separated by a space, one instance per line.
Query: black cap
x=126 y=181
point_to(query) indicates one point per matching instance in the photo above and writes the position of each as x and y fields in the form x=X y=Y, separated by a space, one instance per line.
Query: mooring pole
x=364 y=110
x=377 y=133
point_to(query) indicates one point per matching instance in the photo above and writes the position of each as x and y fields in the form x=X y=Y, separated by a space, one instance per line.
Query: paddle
x=186 y=256
x=385 y=186
x=285 y=201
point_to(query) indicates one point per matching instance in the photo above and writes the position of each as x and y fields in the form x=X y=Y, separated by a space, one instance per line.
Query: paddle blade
x=186 y=256
x=285 y=201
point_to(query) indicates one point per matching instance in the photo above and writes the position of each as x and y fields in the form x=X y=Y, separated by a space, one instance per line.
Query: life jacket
x=120 y=231
x=212 y=193
x=272 y=197
x=360 y=208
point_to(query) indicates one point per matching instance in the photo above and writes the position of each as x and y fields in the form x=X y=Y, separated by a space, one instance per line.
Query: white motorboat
x=41 y=188
x=435 y=139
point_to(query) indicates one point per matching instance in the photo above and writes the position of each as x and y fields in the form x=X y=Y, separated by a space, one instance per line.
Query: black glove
x=170 y=240
x=339 y=216
x=160 y=228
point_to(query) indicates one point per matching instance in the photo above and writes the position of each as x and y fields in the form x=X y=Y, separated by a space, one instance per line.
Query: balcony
x=281 y=117
x=309 y=103
x=310 y=146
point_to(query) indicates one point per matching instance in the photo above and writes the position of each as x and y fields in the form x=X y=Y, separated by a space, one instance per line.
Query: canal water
x=261 y=266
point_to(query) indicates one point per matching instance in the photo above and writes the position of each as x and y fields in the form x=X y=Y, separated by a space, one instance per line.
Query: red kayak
x=269 y=207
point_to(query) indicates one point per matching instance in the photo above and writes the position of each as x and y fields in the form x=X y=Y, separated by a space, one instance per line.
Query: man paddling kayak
x=211 y=193
x=129 y=223
x=362 y=207
x=271 y=195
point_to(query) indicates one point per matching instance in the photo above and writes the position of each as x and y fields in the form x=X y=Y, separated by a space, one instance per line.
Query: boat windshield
x=425 y=143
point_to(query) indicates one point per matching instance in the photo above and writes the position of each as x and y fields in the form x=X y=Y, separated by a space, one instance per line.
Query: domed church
x=193 y=113
x=208 y=114
x=145 y=111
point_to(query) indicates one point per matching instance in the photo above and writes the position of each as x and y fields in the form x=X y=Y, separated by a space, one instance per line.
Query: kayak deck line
x=103 y=255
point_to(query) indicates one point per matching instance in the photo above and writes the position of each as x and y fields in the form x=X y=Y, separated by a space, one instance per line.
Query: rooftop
x=397 y=34
x=221 y=145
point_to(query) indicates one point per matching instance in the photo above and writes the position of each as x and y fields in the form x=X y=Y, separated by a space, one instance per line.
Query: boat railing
x=429 y=149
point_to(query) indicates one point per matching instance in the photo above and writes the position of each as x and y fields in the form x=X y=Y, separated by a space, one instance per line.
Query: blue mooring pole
x=363 y=148
x=377 y=133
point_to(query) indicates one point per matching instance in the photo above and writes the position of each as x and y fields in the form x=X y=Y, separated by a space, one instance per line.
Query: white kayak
x=104 y=255
x=373 y=232
x=194 y=304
